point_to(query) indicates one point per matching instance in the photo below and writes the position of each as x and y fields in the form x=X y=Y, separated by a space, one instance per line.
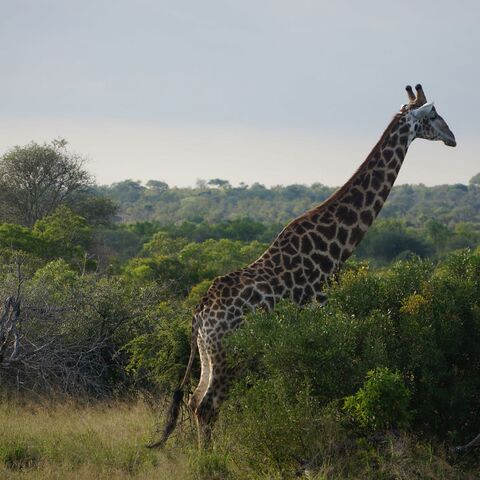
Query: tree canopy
x=36 y=179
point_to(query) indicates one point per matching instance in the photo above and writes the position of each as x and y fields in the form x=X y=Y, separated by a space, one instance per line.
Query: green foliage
x=159 y=355
x=387 y=240
x=67 y=234
x=382 y=403
x=178 y=265
x=36 y=179
x=416 y=319
x=126 y=190
x=120 y=242
x=242 y=228
x=56 y=277
x=16 y=237
x=438 y=233
x=163 y=244
x=63 y=234
x=196 y=293
x=267 y=427
x=96 y=209
x=209 y=466
x=220 y=203
x=217 y=257
x=295 y=346
x=169 y=272
x=17 y=455
x=413 y=204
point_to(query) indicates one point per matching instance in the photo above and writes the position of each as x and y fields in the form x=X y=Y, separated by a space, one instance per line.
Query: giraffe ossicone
x=302 y=257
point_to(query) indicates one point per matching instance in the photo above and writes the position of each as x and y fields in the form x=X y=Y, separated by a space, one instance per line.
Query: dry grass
x=67 y=440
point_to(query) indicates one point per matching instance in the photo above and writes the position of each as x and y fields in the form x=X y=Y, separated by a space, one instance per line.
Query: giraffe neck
x=345 y=217
x=309 y=249
x=315 y=244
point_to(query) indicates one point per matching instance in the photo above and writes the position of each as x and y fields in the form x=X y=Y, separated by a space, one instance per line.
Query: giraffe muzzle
x=450 y=142
x=448 y=138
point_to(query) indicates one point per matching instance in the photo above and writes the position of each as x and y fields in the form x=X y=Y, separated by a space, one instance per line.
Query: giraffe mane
x=343 y=189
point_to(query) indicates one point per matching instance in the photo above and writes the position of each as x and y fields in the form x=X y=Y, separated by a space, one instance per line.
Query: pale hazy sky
x=270 y=91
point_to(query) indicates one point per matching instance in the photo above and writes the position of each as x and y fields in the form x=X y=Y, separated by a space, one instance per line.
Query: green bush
x=158 y=357
x=268 y=429
x=382 y=403
x=417 y=319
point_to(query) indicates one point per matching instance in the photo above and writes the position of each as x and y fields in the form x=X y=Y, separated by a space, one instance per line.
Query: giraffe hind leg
x=207 y=411
x=199 y=393
x=202 y=386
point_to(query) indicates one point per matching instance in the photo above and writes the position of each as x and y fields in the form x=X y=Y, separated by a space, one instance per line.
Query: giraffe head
x=424 y=120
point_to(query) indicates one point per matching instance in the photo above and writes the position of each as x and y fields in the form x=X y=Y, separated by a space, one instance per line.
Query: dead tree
x=9 y=336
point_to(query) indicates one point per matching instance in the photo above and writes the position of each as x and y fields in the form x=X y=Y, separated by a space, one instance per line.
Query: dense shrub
x=180 y=265
x=382 y=403
x=416 y=319
x=157 y=357
x=66 y=330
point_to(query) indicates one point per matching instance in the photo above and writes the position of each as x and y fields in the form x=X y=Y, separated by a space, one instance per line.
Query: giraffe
x=300 y=260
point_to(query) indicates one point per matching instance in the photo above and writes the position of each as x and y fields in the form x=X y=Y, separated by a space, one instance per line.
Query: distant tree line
x=216 y=200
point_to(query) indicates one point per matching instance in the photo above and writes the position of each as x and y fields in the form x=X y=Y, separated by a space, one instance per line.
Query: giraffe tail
x=174 y=409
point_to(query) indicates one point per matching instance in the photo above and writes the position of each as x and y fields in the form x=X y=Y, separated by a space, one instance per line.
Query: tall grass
x=68 y=440
x=65 y=440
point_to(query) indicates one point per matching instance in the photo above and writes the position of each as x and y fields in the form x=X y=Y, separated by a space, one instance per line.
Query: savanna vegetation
x=98 y=285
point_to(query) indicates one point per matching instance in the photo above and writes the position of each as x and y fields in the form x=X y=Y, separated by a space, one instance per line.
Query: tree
x=127 y=191
x=475 y=180
x=201 y=184
x=157 y=186
x=439 y=233
x=66 y=232
x=36 y=179
x=15 y=237
x=387 y=239
x=163 y=244
x=220 y=183
x=94 y=207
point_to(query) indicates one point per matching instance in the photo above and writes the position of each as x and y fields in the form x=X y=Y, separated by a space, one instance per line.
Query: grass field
x=67 y=440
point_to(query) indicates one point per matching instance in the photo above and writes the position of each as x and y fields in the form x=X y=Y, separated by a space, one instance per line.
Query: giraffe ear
x=423 y=110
